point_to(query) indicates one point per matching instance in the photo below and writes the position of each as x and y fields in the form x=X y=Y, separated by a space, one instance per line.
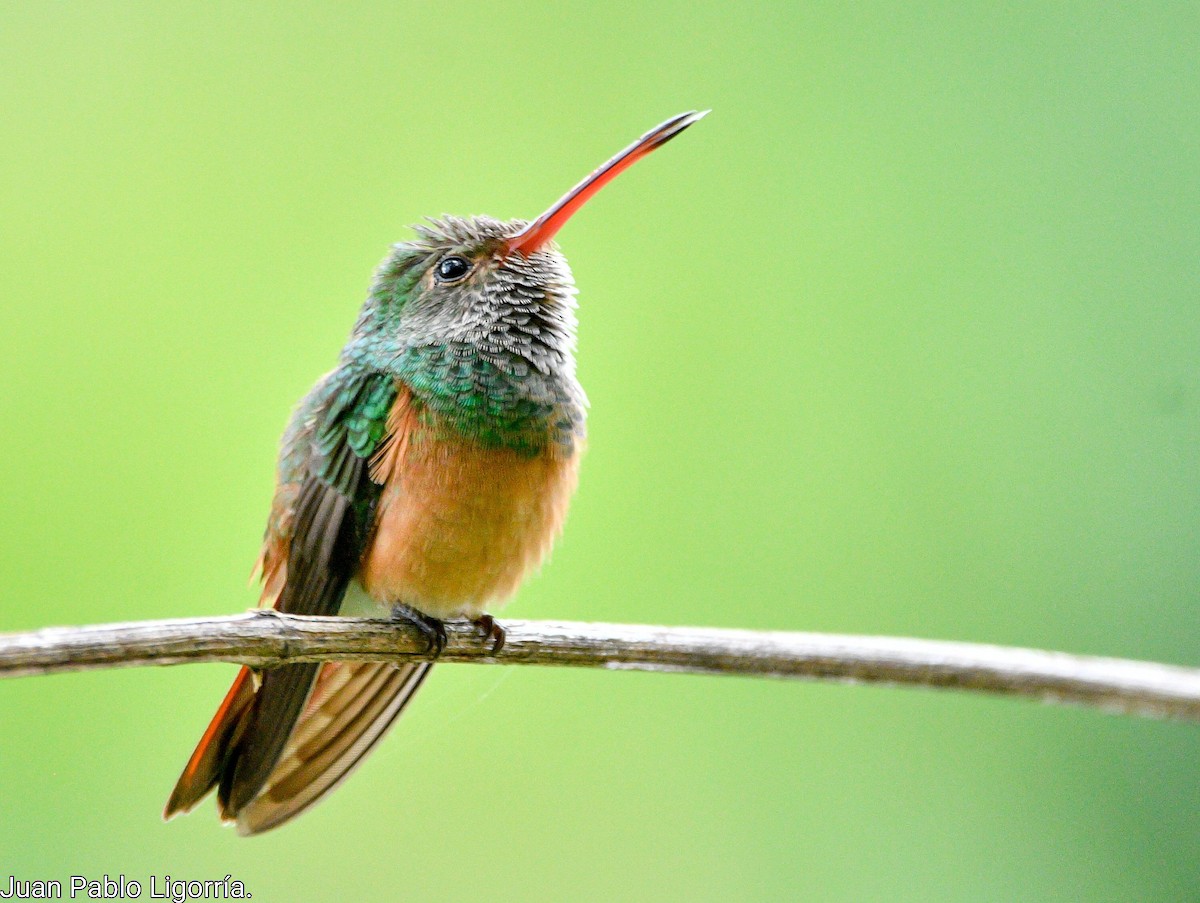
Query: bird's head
x=501 y=291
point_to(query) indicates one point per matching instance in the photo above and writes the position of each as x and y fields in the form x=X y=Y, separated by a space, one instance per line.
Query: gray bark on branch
x=264 y=639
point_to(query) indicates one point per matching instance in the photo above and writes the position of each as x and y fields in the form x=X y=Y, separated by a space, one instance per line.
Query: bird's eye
x=453 y=268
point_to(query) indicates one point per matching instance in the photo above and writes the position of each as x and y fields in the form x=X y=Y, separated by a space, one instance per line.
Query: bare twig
x=265 y=639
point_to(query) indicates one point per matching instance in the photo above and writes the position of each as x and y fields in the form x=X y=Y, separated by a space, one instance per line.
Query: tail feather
x=279 y=702
x=359 y=704
x=204 y=768
x=350 y=708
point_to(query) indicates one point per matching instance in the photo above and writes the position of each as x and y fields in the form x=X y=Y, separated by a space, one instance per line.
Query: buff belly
x=459 y=526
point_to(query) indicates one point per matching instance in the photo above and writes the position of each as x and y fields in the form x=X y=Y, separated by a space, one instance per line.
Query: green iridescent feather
x=351 y=428
x=490 y=404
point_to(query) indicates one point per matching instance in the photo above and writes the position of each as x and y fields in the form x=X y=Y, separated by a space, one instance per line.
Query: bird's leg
x=431 y=628
x=491 y=630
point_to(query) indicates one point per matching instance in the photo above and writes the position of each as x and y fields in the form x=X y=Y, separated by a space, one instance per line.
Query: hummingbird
x=425 y=476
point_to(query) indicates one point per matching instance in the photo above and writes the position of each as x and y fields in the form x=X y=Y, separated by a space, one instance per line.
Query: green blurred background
x=901 y=339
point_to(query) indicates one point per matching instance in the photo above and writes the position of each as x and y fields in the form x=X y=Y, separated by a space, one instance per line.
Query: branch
x=264 y=639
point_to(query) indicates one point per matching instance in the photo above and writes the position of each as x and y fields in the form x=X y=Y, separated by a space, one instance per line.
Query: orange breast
x=459 y=526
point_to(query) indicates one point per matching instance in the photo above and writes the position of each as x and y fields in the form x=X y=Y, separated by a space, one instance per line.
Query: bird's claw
x=431 y=628
x=491 y=630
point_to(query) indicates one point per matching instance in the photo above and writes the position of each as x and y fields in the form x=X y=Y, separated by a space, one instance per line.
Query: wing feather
x=319 y=528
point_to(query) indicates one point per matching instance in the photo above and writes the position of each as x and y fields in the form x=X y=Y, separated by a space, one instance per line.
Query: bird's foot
x=431 y=628
x=491 y=630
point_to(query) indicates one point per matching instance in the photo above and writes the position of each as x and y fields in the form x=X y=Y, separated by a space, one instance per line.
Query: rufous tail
x=350 y=708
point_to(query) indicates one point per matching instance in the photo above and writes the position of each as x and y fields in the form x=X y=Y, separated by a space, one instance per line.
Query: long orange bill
x=542 y=229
